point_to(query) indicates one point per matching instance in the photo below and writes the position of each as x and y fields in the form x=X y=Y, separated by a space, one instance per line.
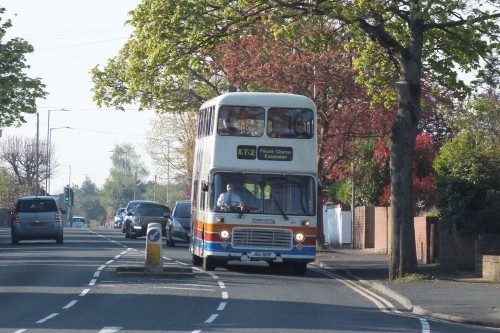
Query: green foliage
x=481 y=114
x=168 y=194
x=18 y=92
x=340 y=193
x=126 y=180
x=468 y=184
x=87 y=201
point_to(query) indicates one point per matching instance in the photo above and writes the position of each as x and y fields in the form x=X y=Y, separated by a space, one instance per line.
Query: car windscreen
x=35 y=206
x=151 y=210
x=183 y=210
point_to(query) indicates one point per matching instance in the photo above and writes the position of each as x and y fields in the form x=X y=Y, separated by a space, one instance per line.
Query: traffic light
x=66 y=194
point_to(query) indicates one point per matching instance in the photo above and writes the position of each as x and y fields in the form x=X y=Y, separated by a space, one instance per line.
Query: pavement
x=436 y=292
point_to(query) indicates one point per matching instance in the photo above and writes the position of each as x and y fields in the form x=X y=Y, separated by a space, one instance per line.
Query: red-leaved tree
x=424 y=177
x=259 y=63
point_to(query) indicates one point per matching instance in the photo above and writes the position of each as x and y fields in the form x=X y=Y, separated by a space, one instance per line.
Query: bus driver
x=228 y=199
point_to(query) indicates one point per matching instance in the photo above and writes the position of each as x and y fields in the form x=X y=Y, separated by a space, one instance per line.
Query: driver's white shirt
x=227 y=198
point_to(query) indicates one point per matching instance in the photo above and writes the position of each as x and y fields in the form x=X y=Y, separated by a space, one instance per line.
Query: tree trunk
x=403 y=259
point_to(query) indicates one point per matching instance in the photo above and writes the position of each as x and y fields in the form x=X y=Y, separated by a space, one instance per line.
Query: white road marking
x=110 y=329
x=222 y=306
x=47 y=318
x=70 y=304
x=84 y=292
x=383 y=304
x=211 y=319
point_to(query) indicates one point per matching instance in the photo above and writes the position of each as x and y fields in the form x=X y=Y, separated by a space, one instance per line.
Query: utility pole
x=37 y=151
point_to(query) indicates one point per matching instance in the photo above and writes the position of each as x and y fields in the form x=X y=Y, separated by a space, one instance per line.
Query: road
x=75 y=287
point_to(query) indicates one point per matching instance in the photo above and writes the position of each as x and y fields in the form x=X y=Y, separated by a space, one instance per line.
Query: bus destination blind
x=267 y=153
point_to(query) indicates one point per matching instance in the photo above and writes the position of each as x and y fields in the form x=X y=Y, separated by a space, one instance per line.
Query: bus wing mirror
x=204 y=186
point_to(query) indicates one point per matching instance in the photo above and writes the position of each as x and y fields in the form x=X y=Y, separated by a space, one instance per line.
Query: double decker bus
x=261 y=150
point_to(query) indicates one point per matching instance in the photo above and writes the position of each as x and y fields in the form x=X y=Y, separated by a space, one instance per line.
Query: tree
x=170 y=143
x=18 y=92
x=126 y=181
x=397 y=41
x=424 y=178
x=10 y=190
x=481 y=115
x=256 y=61
x=87 y=201
x=467 y=168
x=468 y=184
x=27 y=165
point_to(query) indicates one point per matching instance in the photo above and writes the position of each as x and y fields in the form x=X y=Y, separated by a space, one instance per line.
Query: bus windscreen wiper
x=279 y=207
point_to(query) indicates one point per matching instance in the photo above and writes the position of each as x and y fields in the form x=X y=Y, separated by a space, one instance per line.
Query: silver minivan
x=36 y=217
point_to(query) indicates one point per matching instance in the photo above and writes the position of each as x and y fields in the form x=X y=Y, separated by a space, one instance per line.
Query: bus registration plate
x=262 y=255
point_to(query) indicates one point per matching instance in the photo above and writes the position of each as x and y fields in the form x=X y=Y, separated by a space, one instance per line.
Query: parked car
x=130 y=208
x=79 y=222
x=118 y=220
x=37 y=217
x=178 y=229
x=136 y=222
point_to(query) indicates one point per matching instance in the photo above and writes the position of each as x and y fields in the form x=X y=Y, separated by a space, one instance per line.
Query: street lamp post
x=49 y=154
x=48 y=139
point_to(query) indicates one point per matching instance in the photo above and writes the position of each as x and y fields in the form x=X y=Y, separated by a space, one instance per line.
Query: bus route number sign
x=246 y=152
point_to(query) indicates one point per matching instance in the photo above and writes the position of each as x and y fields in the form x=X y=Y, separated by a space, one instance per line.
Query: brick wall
x=488 y=257
x=383 y=230
x=432 y=244
x=364 y=227
x=490 y=267
x=426 y=238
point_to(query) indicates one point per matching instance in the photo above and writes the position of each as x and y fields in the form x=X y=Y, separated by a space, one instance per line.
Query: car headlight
x=300 y=237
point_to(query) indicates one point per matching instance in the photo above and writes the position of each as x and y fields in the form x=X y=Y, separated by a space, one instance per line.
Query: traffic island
x=167 y=272
x=153 y=261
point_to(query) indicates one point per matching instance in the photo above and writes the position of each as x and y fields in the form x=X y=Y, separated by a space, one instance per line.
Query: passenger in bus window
x=228 y=199
x=281 y=130
x=300 y=131
x=227 y=127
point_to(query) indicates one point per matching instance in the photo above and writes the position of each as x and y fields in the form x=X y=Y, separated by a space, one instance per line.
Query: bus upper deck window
x=241 y=121
x=227 y=127
x=290 y=123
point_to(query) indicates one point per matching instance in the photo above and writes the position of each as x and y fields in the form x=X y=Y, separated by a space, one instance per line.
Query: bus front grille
x=278 y=239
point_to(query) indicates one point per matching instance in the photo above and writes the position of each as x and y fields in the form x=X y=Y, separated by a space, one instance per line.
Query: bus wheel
x=299 y=268
x=197 y=261
x=208 y=263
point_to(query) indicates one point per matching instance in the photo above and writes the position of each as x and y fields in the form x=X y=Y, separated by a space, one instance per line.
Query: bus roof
x=264 y=99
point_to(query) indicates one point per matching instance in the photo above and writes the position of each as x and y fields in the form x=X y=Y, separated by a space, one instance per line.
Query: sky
x=71 y=37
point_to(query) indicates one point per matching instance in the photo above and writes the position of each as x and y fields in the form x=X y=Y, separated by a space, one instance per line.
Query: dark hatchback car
x=136 y=222
x=179 y=226
x=130 y=208
x=37 y=217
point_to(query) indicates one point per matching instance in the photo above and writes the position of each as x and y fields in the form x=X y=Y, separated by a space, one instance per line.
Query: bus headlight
x=224 y=234
x=300 y=237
